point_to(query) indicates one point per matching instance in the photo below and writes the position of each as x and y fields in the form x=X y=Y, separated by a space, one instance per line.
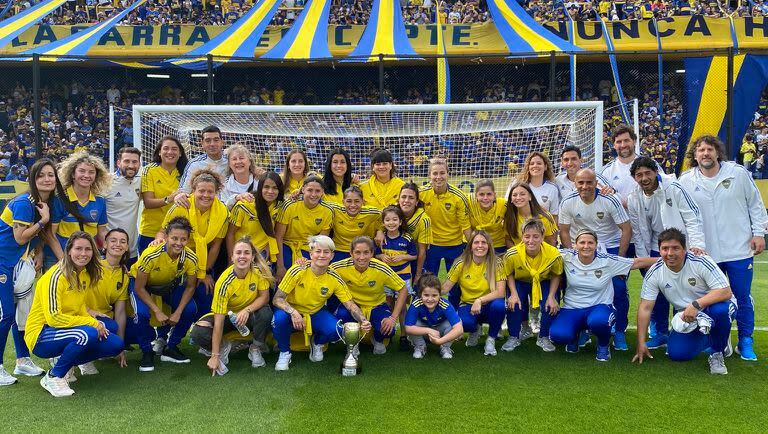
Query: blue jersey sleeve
x=58 y=212
x=101 y=205
x=412 y=248
x=22 y=210
x=412 y=315
x=451 y=315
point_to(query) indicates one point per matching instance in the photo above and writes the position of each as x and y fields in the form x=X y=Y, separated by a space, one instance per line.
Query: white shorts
x=393 y=293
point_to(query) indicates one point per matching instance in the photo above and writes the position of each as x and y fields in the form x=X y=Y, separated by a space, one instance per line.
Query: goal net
x=478 y=140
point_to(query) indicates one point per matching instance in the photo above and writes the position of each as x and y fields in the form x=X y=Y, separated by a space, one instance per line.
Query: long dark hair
x=329 y=183
x=126 y=255
x=261 y=205
x=34 y=193
x=510 y=216
x=183 y=160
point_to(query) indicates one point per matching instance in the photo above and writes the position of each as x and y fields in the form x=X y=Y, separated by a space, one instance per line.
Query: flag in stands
x=623 y=109
x=307 y=37
x=443 y=73
x=384 y=34
x=521 y=32
x=17 y=24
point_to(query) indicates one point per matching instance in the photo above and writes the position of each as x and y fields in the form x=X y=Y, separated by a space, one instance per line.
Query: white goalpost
x=479 y=140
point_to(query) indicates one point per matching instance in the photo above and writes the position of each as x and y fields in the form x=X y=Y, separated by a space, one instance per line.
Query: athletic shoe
x=27 y=367
x=158 y=345
x=70 y=377
x=546 y=344
x=173 y=355
x=6 y=379
x=534 y=320
x=603 y=353
x=238 y=346
x=404 y=344
x=222 y=369
x=446 y=353
x=525 y=332
x=147 y=363
x=584 y=339
x=746 y=350
x=728 y=352
x=490 y=347
x=511 y=343
x=58 y=387
x=202 y=351
x=254 y=355
x=572 y=347
x=717 y=364
x=315 y=351
x=657 y=341
x=378 y=347
x=88 y=369
x=224 y=349
x=283 y=361
x=419 y=352
x=264 y=348
x=620 y=342
x=473 y=339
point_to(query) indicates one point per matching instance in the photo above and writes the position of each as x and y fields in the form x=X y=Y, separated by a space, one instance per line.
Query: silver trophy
x=352 y=335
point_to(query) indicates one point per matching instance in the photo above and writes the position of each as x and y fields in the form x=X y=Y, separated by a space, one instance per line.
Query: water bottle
x=240 y=328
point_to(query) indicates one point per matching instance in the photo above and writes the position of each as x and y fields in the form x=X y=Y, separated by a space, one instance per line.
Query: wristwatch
x=695 y=304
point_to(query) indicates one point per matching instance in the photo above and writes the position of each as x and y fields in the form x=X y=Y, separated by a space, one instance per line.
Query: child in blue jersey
x=434 y=317
x=398 y=250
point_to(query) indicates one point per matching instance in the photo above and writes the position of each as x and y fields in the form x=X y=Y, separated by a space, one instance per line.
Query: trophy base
x=350 y=371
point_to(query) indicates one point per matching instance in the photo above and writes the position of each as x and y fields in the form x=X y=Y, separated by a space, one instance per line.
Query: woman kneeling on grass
x=242 y=289
x=432 y=316
x=59 y=325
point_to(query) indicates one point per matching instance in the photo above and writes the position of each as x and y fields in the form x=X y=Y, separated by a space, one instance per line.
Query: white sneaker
x=222 y=369
x=315 y=351
x=200 y=350
x=88 y=369
x=70 y=377
x=525 y=332
x=446 y=353
x=6 y=379
x=254 y=355
x=490 y=347
x=717 y=364
x=58 y=387
x=545 y=344
x=224 y=350
x=728 y=352
x=158 y=345
x=474 y=338
x=511 y=343
x=378 y=347
x=419 y=352
x=283 y=361
x=27 y=367
x=534 y=320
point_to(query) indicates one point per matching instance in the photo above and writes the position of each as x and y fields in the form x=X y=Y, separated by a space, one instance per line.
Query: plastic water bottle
x=240 y=328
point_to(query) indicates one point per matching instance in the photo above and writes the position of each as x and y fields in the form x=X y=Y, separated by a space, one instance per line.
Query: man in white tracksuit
x=658 y=203
x=734 y=220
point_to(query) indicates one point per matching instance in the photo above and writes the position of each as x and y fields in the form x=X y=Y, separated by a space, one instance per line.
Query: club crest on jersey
x=371 y=283
x=448 y=206
x=669 y=201
x=119 y=285
x=252 y=287
x=598 y=273
x=94 y=214
x=692 y=281
x=318 y=221
x=600 y=215
x=727 y=183
x=360 y=225
x=3 y=278
x=324 y=290
x=544 y=198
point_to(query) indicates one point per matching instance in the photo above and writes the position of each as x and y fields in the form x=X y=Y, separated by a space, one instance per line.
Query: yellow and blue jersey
x=308 y=292
x=472 y=280
x=203 y=222
x=112 y=287
x=20 y=210
x=380 y=195
x=402 y=244
x=235 y=294
x=303 y=222
x=161 y=269
x=161 y=183
x=367 y=288
x=337 y=197
x=93 y=212
x=346 y=227
x=448 y=213
x=491 y=221
x=442 y=312
x=294 y=186
x=245 y=218
x=547 y=220
x=420 y=227
x=519 y=265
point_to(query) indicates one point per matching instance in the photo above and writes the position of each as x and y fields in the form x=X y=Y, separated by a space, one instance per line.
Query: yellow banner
x=681 y=32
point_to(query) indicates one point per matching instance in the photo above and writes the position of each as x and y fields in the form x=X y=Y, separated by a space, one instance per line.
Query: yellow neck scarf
x=549 y=255
x=217 y=217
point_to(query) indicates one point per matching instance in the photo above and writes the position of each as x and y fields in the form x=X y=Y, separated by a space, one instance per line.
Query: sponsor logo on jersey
x=667 y=286
x=118 y=194
x=324 y=290
x=692 y=281
x=252 y=287
x=600 y=215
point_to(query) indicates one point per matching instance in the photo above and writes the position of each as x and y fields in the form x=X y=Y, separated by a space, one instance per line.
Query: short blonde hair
x=321 y=241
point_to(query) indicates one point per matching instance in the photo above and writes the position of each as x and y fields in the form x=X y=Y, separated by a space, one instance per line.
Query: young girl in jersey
x=432 y=316
x=419 y=225
x=295 y=170
x=486 y=213
x=22 y=222
x=352 y=220
x=255 y=217
x=382 y=189
x=338 y=176
x=481 y=280
x=107 y=302
x=299 y=219
x=159 y=187
x=159 y=281
x=59 y=325
x=208 y=217
x=539 y=175
x=448 y=211
x=242 y=289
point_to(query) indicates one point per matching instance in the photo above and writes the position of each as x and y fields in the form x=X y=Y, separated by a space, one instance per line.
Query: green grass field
x=526 y=390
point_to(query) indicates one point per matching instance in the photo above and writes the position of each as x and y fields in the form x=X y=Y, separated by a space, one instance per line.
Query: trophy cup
x=352 y=335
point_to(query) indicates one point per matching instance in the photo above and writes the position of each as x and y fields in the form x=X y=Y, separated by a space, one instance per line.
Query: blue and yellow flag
x=79 y=43
x=17 y=24
x=443 y=73
x=706 y=81
x=384 y=34
x=308 y=35
x=238 y=40
x=623 y=109
x=521 y=32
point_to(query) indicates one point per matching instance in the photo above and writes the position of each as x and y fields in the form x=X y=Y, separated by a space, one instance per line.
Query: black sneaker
x=173 y=355
x=404 y=344
x=147 y=363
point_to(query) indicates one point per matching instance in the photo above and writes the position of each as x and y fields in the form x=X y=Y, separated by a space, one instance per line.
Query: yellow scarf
x=217 y=218
x=549 y=255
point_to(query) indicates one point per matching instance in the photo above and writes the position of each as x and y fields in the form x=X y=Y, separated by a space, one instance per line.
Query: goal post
x=479 y=140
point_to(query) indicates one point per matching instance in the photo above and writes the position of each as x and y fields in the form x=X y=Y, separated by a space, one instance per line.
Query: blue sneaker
x=584 y=339
x=657 y=341
x=651 y=330
x=620 y=342
x=746 y=350
x=572 y=347
x=603 y=353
